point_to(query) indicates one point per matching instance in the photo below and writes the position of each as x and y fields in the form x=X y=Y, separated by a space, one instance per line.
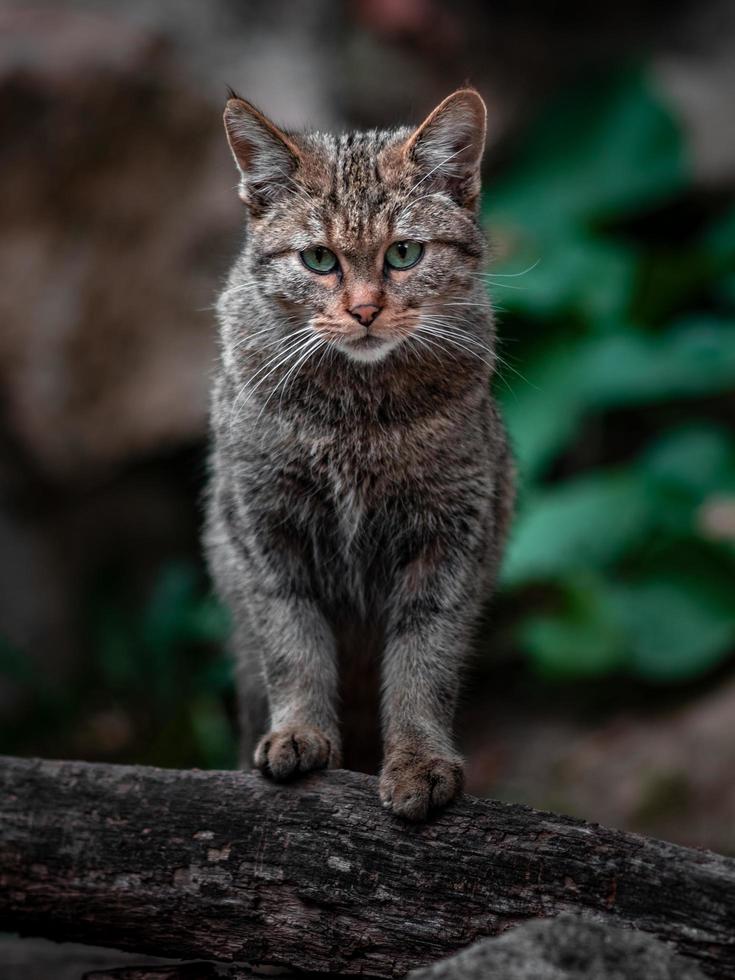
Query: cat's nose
x=365 y=313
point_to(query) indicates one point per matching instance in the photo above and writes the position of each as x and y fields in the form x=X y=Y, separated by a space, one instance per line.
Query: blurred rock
x=116 y=195
x=41 y=959
x=640 y=766
x=697 y=73
x=565 y=948
x=665 y=774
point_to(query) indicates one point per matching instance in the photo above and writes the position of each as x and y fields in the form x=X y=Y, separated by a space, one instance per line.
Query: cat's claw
x=289 y=752
x=414 y=782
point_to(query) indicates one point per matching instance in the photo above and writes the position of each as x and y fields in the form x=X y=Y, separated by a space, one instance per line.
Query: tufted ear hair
x=265 y=156
x=449 y=143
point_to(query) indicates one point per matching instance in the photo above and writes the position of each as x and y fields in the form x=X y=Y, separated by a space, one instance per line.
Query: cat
x=361 y=485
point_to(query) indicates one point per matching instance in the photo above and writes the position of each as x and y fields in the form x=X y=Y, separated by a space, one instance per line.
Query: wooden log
x=184 y=971
x=316 y=875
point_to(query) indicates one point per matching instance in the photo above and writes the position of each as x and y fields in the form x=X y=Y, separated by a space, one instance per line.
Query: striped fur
x=361 y=485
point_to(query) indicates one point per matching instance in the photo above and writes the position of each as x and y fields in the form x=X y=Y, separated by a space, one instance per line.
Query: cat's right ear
x=449 y=143
x=265 y=156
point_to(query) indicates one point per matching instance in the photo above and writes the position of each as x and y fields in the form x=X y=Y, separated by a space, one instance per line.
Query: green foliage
x=575 y=525
x=622 y=336
x=624 y=368
x=604 y=149
x=161 y=655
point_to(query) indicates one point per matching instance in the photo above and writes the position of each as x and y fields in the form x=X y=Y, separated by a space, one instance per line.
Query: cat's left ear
x=449 y=144
x=266 y=157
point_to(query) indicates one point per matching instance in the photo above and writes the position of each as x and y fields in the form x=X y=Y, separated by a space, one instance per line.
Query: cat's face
x=361 y=238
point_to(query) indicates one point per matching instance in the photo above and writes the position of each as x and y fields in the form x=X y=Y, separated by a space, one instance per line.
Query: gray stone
x=564 y=948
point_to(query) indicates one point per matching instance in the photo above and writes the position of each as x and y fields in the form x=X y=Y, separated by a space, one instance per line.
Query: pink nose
x=365 y=313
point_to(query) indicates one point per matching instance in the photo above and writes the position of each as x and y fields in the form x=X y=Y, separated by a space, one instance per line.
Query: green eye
x=319 y=259
x=402 y=255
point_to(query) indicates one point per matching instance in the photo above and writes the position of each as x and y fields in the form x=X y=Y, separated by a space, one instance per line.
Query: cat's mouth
x=368 y=342
x=368 y=347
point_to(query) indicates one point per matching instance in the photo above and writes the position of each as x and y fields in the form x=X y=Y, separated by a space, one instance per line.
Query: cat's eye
x=319 y=259
x=403 y=255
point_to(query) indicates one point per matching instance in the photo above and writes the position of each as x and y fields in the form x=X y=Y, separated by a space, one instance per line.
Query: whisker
x=498 y=374
x=415 y=200
x=330 y=347
x=323 y=343
x=448 y=330
x=269 y=329
x=437 y=167
x=453 y=340
x=248 y=388
x=509 y=275
x=311 y=347
x=495 y=353
x=500 y=285
x=425 y=343
x=292 y=354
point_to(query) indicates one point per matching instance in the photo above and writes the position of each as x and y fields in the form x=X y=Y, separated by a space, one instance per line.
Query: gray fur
x=361 y=485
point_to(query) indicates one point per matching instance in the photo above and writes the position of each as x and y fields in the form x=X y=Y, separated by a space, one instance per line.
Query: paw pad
x=413 y=783
x=289 y=752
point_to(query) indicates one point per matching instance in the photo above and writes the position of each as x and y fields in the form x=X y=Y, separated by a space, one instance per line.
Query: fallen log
x=316 y=875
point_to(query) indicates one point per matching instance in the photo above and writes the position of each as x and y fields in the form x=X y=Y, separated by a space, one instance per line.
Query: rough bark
x=315 y=875
x=183 y=971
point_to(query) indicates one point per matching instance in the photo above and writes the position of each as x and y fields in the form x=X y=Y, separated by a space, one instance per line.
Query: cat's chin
x=369 y=350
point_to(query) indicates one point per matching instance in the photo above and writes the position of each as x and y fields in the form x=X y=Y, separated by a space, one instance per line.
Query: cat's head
x=363 y=237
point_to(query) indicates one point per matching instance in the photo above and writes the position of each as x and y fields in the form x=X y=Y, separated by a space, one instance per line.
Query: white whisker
x=304 y=353
x=509 y=275
x=292 y=350
x=437 y=167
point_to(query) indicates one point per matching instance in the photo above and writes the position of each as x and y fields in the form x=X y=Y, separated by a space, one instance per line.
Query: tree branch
x=316 y=875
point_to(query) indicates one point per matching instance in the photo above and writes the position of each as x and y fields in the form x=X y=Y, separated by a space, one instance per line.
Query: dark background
x=605 y=683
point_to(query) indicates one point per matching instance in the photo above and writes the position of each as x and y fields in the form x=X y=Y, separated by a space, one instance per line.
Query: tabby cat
x=362 y=485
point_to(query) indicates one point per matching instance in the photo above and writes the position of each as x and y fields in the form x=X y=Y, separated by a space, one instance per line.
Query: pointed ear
x=265 y=156
x=448 y=146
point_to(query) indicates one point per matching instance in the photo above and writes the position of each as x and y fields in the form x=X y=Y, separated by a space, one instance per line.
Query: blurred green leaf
x=164 y=625
x=725 y=290
x=582 y=524
x=568 y=273
x=213 y=733
x=206 y=620
x=695 y=357
x=589 y=521
x=720 y=241
x=698 y=459
x=545 y=408
x=664 y=629
x=600 y=151
x=676 y=629
x=584 y=638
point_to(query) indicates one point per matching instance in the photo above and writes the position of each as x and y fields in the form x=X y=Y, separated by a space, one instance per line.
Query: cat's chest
x=360 y=469
x=340 y=488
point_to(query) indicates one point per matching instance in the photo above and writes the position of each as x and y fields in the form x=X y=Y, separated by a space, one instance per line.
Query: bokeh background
x=604 y=685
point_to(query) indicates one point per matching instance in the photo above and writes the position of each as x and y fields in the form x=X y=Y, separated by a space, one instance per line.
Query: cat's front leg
x=299 y=666
x=433 y=612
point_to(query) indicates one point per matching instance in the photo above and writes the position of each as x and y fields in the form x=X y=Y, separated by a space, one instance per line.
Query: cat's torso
x=353 y=487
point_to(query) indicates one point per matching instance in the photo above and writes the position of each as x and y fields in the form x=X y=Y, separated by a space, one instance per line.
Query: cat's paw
x=414 y=781
x=288 y=752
